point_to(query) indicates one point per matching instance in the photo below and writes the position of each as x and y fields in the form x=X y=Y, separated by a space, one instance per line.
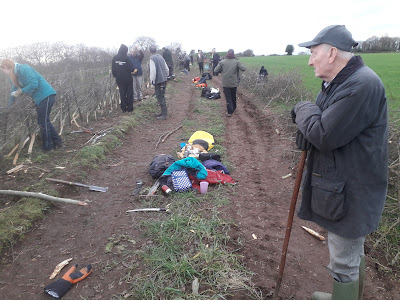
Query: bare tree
x=144 y=42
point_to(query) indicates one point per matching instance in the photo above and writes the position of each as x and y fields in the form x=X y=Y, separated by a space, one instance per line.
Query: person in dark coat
x=346 y=132
x=167 y=55
x=122 y=68
x=215 y=60
x=229 y=68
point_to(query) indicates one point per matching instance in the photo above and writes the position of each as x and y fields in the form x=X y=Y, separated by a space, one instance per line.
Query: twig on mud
x=159 y=139
x=171 y=132
x=165 y=135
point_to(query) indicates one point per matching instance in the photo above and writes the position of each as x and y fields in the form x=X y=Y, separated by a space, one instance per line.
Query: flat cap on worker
x=335 y=35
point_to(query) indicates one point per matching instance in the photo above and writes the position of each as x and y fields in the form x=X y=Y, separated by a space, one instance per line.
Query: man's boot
x=163 y=115
x=341 y=291
x=362 y=278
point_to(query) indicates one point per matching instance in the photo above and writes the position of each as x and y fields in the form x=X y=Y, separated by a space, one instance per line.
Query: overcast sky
x=266 y=27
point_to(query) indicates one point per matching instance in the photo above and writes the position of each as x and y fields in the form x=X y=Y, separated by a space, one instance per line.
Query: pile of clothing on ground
x=207 y=92
x=195 y=165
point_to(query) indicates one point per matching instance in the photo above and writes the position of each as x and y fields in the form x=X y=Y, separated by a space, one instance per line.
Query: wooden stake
x=313 y=233
x=31 y=143
x=42 y=196
x=13 y=150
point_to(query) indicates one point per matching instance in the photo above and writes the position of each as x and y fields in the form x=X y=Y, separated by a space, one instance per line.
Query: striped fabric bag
x=181 y=181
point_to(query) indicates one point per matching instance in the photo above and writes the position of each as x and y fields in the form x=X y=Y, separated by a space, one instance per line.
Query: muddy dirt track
x=260 y=149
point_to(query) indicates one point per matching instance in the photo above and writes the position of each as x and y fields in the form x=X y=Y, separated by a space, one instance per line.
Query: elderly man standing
x=230 y=67
x=345 y=184
x=158 y=77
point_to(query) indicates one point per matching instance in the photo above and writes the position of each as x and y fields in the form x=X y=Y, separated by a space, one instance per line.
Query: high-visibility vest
x=201 y=85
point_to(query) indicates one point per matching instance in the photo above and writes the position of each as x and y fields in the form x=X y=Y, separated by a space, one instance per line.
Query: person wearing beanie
x=122 y=69
x=346 y=135
x=27 y=81
x=229 y=68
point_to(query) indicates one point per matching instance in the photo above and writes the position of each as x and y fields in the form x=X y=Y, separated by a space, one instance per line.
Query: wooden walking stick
x=290 y=222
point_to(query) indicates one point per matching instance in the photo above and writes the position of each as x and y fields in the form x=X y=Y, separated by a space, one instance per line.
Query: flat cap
x=335 y=35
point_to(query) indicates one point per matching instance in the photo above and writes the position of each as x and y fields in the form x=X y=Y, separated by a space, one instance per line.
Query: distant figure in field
x=262 y=75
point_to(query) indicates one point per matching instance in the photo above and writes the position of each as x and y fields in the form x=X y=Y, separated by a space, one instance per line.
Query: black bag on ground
x=207 y=156
x=205 y=91
x=216 y=95
x=159 y=164
x=213 y=95
x=206 y=76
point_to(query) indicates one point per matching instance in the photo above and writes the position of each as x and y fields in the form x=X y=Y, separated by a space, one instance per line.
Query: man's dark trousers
x=201 y=67
x=50 y=137
x=160 y=95
x=230 y=95
x=126 y=94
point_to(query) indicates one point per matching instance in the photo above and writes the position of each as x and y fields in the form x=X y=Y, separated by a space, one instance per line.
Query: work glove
x=60 y=287
x=293 y=115
x=16 y=93
x=301 y=142
x=134 y=71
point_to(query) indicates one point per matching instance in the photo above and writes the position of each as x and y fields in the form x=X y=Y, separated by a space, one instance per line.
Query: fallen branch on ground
x=164 y=136
x=42 y=196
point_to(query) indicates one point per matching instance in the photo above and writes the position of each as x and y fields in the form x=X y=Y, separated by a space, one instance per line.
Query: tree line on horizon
x=371 y=45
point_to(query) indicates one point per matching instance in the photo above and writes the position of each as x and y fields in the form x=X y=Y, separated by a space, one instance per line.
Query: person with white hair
x=346 y=133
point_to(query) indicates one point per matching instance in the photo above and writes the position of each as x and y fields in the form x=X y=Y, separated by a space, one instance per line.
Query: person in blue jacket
x=26 y=80
x=136 y=74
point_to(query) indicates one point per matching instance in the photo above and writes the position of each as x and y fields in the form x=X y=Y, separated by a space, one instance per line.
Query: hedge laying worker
x=25 y=80
x=122 y=69
x=158 y=77
x=345 y=184
x=229 y=68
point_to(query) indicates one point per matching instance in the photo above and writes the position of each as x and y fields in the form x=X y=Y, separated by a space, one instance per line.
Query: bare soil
x=260 y=149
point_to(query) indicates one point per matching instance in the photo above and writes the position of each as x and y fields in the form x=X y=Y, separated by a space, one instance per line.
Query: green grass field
x=386 y=65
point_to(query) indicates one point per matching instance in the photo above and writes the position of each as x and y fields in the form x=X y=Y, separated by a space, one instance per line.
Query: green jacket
x=229 y=68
